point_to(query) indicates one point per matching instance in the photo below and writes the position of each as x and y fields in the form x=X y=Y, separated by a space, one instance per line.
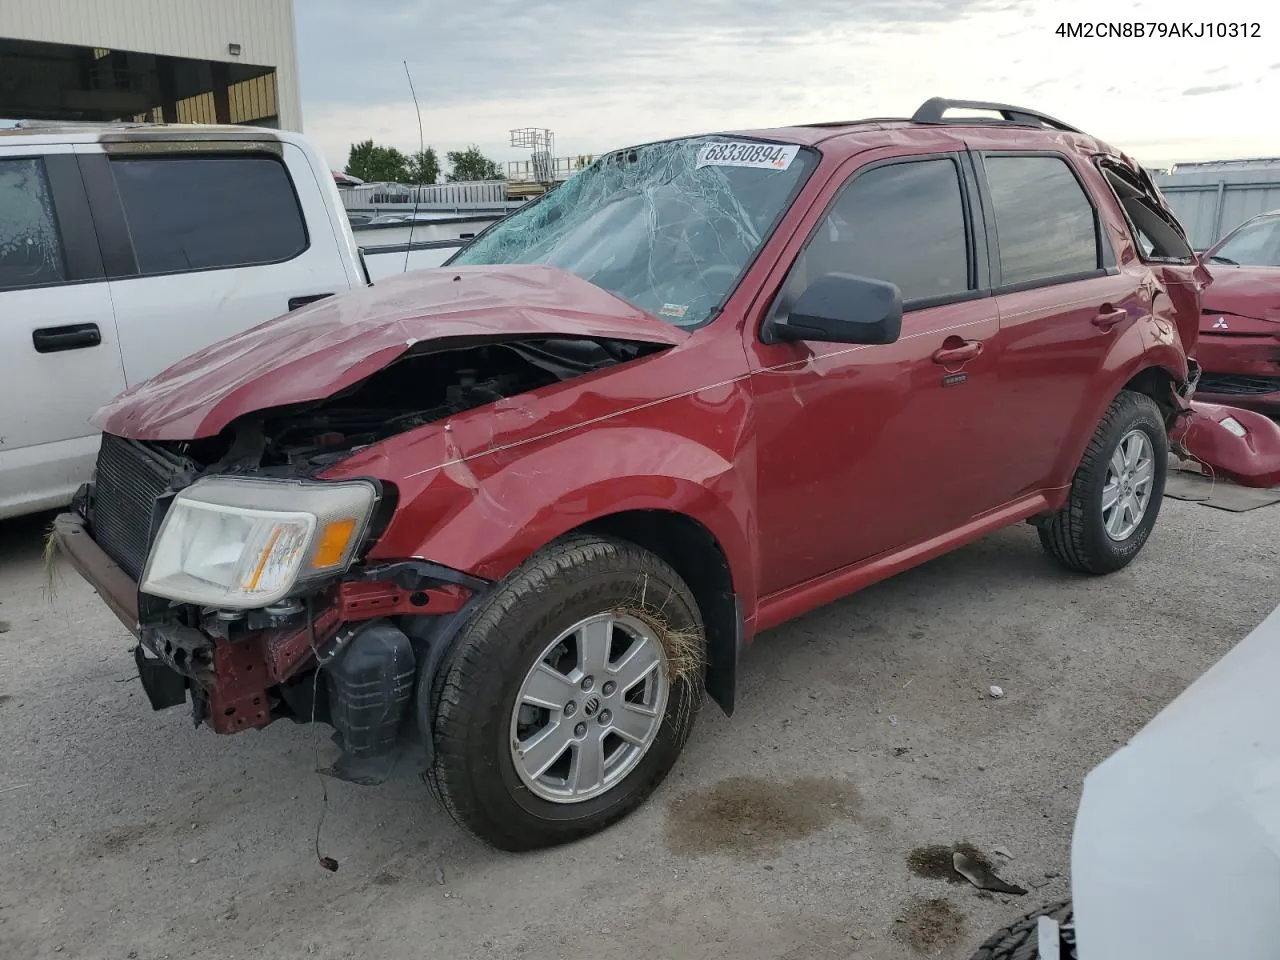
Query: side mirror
x=841 y=308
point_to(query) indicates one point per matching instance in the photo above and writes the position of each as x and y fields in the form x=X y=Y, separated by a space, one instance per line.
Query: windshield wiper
x=1218 y=258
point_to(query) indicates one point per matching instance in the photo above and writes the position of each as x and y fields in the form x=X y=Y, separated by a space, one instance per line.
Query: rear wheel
x=1116 y=491
x=569 y=696
x=1021 y=939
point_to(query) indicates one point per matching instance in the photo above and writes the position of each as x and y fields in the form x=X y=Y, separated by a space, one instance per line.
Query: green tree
x=374 y=164
x=423 y=166
x=471 y=164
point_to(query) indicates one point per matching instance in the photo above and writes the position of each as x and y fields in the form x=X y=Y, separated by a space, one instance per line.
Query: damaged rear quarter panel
x=483 y=490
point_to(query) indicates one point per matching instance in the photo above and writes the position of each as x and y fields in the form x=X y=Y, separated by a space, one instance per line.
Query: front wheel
x=569 y=695
x=1116 y=491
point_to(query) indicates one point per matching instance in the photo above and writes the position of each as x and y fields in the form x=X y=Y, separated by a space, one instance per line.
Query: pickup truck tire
x=1126 y=459
x=1021 y=940
x=541 y=687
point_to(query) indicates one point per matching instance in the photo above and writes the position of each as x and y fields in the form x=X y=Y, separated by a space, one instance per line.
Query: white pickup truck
x=124 y=248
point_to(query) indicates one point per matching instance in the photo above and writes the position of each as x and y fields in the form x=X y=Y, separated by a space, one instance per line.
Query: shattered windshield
x=669 y=227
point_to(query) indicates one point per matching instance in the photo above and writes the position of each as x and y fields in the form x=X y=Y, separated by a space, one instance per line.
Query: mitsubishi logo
x=1220 y=323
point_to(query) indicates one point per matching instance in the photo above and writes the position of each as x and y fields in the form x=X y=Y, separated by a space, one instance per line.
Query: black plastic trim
x=932 y=110
x=75 y=223
x=107 y=210
x=415 y=574
x=722 y=663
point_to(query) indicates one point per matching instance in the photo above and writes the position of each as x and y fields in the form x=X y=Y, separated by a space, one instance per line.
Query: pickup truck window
x=30 y=247
x=669 y=227
x=904 y=223
x=205 y=213
x=1045 y=224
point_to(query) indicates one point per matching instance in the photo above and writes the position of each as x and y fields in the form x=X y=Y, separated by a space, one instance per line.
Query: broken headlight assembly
x=243 y=543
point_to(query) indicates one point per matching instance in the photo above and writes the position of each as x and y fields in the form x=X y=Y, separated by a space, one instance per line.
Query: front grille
x=1237 y=385
x=124 y=512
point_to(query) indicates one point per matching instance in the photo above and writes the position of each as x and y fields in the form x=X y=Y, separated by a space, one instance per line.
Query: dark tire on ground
x=1021 y=940
x=1076 y=536
x=474 y=774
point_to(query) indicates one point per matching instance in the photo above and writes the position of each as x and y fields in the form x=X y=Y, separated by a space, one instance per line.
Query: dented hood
x=1243 y=292
x=315 y=352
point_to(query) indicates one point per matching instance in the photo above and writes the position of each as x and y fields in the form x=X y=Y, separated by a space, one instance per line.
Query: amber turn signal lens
x=332 y=543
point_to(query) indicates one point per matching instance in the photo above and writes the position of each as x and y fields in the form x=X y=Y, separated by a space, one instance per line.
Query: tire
x=1021 y=940
x=478 y=774
x=1077 y=536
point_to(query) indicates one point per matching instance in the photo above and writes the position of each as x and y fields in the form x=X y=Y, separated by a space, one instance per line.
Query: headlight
x=242 y=543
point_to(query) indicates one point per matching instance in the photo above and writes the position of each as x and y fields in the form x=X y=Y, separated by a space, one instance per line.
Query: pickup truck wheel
x=1116 y=491
x=568 y=697
x=1021 y=939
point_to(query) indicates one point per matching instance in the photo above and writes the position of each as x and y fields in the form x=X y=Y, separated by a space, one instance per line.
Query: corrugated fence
x=1213 y=198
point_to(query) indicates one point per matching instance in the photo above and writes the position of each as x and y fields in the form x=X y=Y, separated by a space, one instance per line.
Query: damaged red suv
x=1240 y=323
x=511 y=517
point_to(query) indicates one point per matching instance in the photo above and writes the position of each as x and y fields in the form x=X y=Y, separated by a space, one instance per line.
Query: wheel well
x=695 y=554
x=1156 y=383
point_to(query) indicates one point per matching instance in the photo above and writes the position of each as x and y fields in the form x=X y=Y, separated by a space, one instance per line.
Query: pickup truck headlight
x=241 y=543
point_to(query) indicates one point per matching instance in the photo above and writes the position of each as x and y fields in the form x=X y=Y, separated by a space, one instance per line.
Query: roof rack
x=931 y=111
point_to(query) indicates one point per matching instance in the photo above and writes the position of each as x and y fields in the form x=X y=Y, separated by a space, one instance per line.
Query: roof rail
x=931 y=111
x=64 y=124
x=854 y=123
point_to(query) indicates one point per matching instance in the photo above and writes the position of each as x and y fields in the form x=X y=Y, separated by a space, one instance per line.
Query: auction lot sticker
x=765 y=156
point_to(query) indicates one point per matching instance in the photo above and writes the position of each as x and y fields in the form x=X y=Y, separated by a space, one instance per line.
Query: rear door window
x=30 y=246
x=205 y=213
x=1046 y=228
x=903 y=223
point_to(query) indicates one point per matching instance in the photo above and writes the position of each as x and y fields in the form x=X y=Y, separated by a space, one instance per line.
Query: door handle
x=77 y=336
x=966 y=350
x=1107 y=317
x=296 y=302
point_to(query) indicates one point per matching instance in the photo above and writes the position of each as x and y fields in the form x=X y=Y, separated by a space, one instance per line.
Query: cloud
x=568 y=63
x=1215 y=88
x=604 y=75
x=469 y=50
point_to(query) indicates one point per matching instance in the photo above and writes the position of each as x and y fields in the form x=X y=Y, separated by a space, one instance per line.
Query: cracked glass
x=30 y=248
x=669 y=227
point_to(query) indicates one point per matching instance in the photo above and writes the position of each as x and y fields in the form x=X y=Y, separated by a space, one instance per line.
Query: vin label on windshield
x=765 y=156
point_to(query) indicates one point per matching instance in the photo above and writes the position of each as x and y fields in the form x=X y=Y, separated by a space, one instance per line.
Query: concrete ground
x=865 y=733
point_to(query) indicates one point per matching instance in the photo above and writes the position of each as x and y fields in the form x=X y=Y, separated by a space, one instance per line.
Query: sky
x=602 y=75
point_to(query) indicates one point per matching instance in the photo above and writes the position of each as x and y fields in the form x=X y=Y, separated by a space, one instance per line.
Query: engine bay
x=417 y=389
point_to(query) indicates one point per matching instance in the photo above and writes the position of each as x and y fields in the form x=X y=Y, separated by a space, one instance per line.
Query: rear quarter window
x=206 y=213
x=1155 y=237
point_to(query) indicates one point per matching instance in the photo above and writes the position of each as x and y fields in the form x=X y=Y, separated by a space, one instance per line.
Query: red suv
x=513 y=516
x=1240 y=325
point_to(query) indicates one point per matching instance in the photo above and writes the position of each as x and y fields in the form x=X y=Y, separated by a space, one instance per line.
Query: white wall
x=200 y=29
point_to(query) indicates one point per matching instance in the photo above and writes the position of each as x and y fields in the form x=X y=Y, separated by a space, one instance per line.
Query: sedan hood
x=1243 y=292
x=314 y=352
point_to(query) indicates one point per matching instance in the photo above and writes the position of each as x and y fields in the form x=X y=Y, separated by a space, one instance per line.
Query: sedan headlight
x=241 y=543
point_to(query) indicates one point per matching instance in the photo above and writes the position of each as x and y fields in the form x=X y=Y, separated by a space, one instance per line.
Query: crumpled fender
x=485 y=514
x=1252 y=460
